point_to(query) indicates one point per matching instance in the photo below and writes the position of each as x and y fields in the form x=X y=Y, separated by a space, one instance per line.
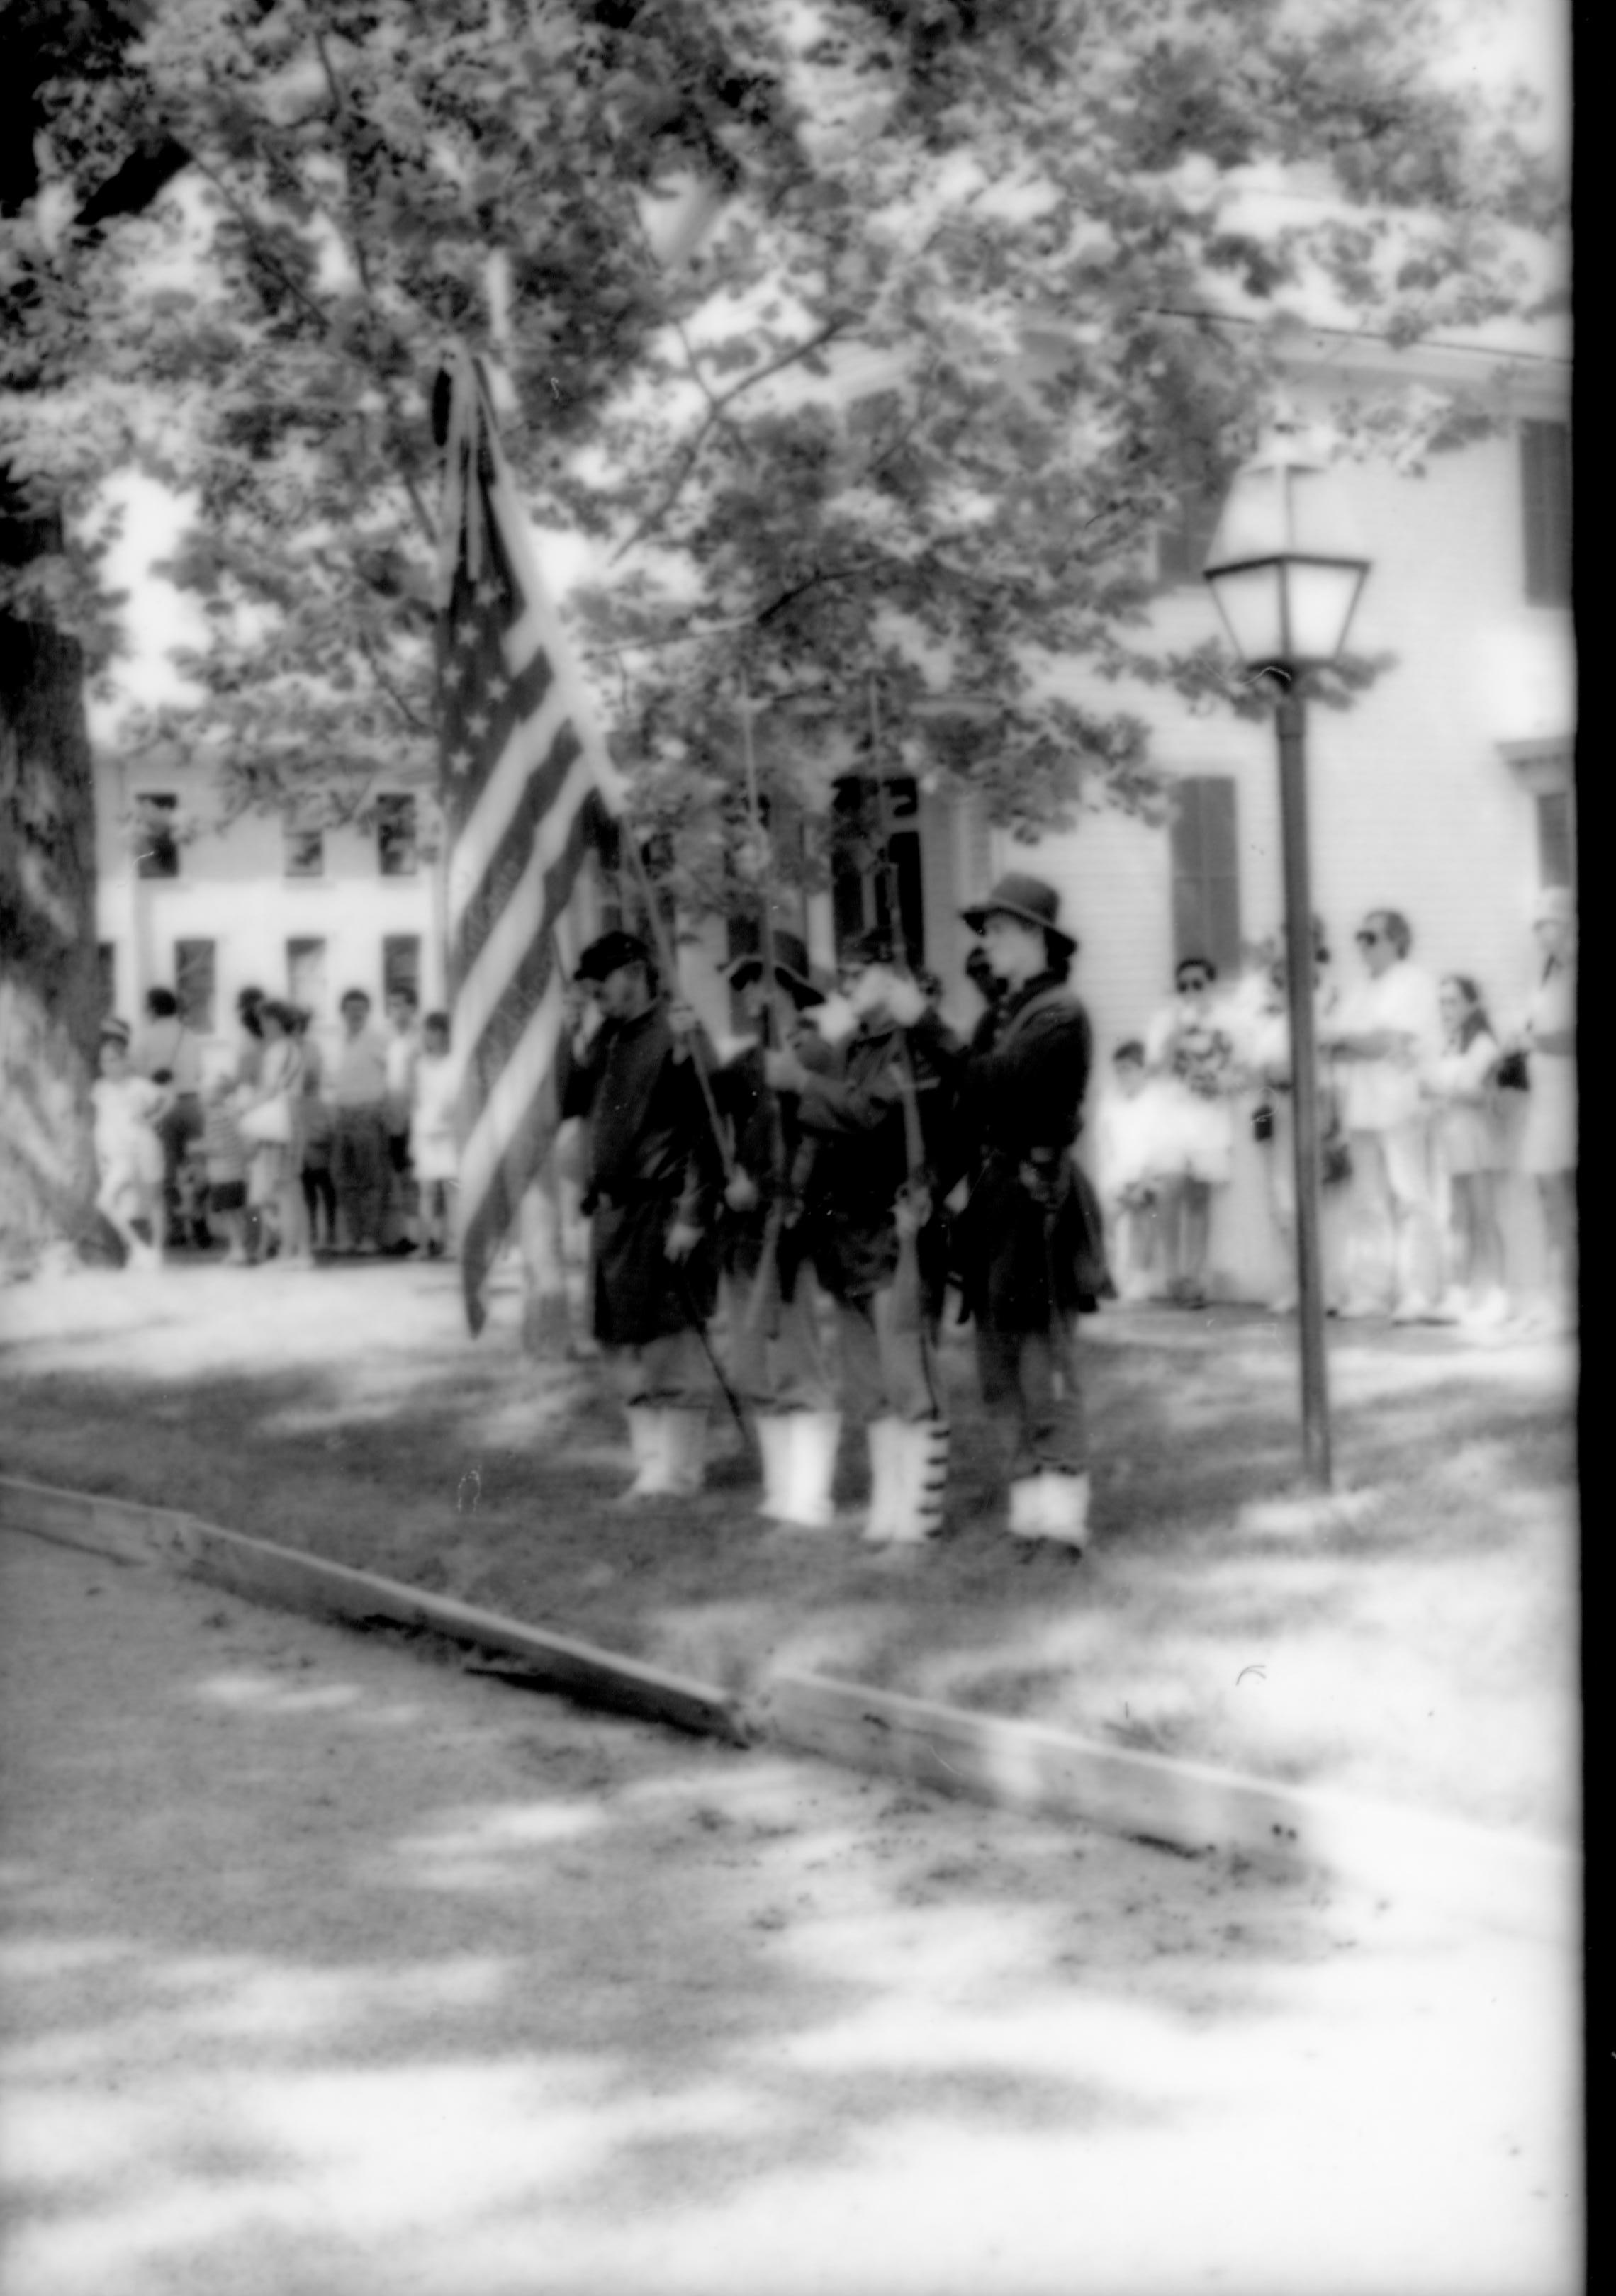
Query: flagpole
x=668 y=962
x=774 y=1034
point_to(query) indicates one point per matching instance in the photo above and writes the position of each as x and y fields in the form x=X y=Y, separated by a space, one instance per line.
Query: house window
x=395 y=836
x=868 y=818
x=1556 y=838
x=306 y=978
x=1184 y=540
x=156 y=843
x=1206 y=872
x=193 y=984
x=303 y=851
x=106 y=979
x=401 y=965
x=1546 y=496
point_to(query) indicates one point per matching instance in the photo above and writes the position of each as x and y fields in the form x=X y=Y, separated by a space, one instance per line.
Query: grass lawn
x=1424 y=1649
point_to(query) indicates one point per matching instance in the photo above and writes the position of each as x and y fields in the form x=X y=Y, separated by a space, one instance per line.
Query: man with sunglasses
x=1386 y=1038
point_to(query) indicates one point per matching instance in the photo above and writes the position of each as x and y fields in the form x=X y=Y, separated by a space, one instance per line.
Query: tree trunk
x=49 y=977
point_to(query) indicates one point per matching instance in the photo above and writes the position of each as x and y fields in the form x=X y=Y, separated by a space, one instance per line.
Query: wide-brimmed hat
x=1030 y=902
x=792 y=969
x=610 y=954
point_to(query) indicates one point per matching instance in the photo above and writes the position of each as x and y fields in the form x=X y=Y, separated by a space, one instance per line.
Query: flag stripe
x=503 y=870
x=527 y=1077
x=494 y=1002
x=525 y=778
x=500 y=801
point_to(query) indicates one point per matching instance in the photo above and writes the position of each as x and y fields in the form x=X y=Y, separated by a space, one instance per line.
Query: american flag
x=527 y=783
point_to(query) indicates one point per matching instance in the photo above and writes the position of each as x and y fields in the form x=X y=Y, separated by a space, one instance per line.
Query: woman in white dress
x=1190 y=1051
x=1469 y=1141
x=1549 y=1143
x=434 y=1147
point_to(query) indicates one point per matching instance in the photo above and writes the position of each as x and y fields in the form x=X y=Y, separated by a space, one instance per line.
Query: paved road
x=333 y=1971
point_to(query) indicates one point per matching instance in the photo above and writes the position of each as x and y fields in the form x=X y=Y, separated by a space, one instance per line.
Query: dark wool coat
x=652 y=1159
x=1031 y=1234
x=744 y=1100
x=853 y=1128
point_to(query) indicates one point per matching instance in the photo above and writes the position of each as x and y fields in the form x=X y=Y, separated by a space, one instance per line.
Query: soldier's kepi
x=1027 y=1242
x=871 y=1236
x=652 y=1174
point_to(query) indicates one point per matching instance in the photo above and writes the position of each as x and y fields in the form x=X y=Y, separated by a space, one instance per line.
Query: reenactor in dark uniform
x=776 y=1358
x=1027 y=1240
x=652 y=1174
x=874 y=1130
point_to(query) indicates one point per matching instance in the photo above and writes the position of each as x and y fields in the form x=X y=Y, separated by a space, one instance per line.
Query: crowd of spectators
x=273 y=1152
x=1431 y=1114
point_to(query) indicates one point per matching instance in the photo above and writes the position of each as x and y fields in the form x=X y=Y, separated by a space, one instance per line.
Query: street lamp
x=1285 y=569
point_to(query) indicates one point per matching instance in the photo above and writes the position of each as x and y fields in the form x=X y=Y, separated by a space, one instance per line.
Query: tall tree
x=53 y=626
x=902 y=415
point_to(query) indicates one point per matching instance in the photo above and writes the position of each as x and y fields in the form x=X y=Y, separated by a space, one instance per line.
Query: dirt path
x=332 y=1971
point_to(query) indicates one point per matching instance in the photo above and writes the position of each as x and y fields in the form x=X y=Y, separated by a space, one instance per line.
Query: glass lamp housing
x=1286 y=565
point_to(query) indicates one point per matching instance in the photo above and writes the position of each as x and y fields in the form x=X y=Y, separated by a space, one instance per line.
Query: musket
x=915 y=1198
x=774 y=1036
x=915 y=1144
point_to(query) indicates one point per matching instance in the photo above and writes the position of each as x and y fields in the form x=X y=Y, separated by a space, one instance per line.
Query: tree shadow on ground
x=304 y=1972
x=387 y=1443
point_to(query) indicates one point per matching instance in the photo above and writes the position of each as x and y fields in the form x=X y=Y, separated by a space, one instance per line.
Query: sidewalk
x=329 y=1969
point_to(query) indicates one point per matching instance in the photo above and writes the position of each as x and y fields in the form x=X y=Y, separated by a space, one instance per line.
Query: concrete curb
x=282 y=1575
x=1505 y=1881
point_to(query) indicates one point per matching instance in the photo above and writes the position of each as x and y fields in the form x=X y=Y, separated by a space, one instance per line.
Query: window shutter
x=1556 y=845
x=401 y=965
x=1206 y=872
x=1545 y=484
x=193 y=984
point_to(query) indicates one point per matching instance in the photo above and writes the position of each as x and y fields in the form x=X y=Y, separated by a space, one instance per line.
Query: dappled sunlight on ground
x=300 y=2004
x=348 y=1413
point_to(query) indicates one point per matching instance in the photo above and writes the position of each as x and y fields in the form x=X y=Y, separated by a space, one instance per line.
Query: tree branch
x=355 y=246
x=417 y=724
x=818 y=580
x=716 y=407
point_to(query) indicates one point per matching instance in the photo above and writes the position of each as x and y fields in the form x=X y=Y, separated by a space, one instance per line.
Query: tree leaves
x=906 y=412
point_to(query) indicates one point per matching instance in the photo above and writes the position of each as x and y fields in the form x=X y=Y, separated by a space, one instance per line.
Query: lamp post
x=1285 y=569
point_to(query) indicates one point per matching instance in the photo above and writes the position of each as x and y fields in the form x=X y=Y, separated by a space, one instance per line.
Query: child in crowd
x=127 y=1110
x=1124 y=1144
x=319 y=1189
x=191 y=1196
x=357 y=1087
x=225 y=1152
x=1469 y=1149
x=434 y=1152
x=401 y=1185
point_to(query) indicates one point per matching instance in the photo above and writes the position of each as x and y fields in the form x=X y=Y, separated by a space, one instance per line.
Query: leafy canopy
x=869 y=336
